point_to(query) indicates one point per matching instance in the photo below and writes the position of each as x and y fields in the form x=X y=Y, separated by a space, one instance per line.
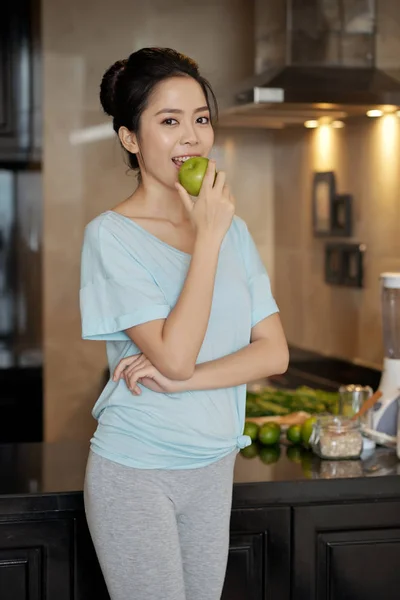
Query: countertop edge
x=245 y=495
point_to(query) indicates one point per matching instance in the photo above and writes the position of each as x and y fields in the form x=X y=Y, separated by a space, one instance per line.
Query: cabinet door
x=347 y=552
x=35 y=560
x=89 y=580
x=259 y=555
x=15 y=81
x=258 y=563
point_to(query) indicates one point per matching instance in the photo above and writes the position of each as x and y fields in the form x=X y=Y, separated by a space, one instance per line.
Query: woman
x=179 y=293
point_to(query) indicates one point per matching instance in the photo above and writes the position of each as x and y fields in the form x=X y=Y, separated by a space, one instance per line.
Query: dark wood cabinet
x=89 y=580
x=35 y=559
x=258 y=562
x=347 y=552
x=244 y=574
x=19 y=82
x=259 y=555
x=21 y=393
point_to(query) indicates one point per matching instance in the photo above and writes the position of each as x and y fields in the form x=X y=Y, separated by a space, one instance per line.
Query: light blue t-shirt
x=129 y=277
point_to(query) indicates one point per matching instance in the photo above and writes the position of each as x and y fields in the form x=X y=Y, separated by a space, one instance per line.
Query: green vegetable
x=279 y=402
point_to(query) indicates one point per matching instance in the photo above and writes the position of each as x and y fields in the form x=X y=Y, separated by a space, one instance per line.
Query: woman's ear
x=128 y=140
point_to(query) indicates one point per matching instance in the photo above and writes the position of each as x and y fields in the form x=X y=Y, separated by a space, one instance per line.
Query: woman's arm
x=266 y=355
x=173 y=344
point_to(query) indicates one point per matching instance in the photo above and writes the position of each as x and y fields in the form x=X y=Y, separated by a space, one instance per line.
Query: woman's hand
x=212 y=212
x=138 y=369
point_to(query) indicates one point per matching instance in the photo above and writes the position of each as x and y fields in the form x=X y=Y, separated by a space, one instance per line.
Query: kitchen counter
x=39 y=471
x=301 y=528
x=42 y=474
x=324 y=372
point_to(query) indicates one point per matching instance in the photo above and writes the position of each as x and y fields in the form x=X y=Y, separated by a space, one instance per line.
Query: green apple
x=191 y=174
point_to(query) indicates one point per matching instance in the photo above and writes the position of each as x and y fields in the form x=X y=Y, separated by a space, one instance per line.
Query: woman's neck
x=155 y=201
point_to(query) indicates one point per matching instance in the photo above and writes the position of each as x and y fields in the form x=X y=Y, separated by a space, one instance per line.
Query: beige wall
x=337 y=321
x=247 y=157
x=80 y=40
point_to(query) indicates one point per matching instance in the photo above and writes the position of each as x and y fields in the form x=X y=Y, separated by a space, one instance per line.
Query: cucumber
x=270 y=401
x=272 y=407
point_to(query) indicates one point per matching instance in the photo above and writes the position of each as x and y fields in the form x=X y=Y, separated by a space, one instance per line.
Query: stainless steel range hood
x=313 y=58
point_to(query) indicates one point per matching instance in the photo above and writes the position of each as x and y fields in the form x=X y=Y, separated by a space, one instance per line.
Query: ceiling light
x=325 y=120
x=312 y=124
x=374 y=113
x=337 y=124
x=389 y=109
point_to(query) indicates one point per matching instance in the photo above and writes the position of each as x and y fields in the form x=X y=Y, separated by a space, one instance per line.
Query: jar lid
x=390 y=280
x=337 y=423
x=355 y=387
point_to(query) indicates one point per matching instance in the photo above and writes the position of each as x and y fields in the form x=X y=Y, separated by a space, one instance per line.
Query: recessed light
x=375 y=112
x=312 y=124
x=337 y=124
x=325 y=120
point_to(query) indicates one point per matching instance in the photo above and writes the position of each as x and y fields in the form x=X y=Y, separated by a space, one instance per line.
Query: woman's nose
x=189 y=135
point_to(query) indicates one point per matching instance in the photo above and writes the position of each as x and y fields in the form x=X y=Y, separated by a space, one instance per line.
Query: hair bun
x=108 y=86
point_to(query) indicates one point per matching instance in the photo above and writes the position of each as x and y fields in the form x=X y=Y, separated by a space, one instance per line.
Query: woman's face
x=176 y=124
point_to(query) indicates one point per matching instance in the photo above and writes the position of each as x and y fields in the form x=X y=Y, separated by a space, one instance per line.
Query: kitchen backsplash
x=337 y=321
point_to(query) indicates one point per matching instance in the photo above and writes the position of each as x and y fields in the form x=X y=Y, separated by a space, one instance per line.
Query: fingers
x=220 y=184
x=184 y=196
x=124 y=363
x=132 y=378
x=226 y=192
x=131 y=374
x=140 y=361
x=143 y=362
x=136 y=390
x=209 y=177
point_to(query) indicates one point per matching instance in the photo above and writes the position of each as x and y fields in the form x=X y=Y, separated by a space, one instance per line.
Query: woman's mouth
x=179 y=160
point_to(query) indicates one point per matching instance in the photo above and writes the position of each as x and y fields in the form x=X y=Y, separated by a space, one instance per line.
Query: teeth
x=182 y=158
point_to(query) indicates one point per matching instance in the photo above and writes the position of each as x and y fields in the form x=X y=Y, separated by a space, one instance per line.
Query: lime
x=251 y=429
x=293 y=434
x=269 y=434
x=270 y=454
x=294 y=453
x=306 y=430
x=307 y=463
x=250 y=451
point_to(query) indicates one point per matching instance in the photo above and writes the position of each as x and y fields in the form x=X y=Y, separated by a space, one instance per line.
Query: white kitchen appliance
x=384 y=418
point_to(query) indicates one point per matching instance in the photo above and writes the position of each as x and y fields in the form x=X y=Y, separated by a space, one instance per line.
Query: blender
x=385 y=412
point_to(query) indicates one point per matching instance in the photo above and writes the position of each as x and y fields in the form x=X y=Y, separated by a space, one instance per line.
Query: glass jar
x=336 y=438
x=351 y=399
x=340 y=469
x=398 y=429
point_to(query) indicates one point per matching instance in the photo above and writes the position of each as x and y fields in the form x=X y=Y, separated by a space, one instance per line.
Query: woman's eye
x=200 y=120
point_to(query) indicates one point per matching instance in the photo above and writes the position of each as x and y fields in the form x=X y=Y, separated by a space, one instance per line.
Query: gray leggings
x=160 y=534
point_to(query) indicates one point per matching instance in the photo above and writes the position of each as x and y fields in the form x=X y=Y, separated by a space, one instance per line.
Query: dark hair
x=127 y=85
